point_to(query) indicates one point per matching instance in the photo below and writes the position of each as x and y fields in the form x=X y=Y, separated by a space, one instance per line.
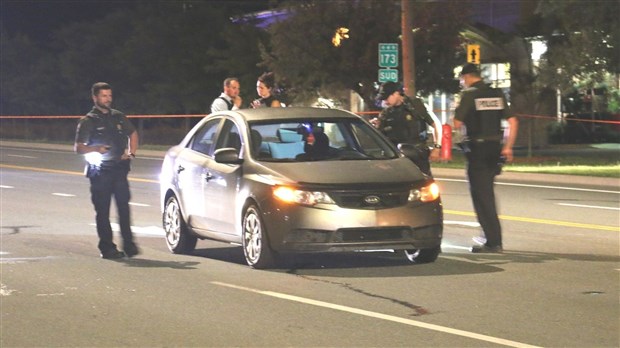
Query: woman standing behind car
x=264 y=88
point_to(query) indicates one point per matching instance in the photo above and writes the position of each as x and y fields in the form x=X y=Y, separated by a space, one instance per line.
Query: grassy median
x=585 y=160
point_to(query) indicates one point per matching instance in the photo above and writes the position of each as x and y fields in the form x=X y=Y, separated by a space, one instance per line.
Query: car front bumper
x=326 y=229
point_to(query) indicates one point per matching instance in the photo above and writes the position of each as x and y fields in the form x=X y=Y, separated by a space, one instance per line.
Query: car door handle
x=180 y=169
x=207 y=176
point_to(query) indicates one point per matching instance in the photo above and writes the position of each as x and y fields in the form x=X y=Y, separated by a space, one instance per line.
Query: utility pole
x=407 y=44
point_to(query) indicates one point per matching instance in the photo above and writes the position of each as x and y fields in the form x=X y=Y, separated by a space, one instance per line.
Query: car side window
x=229 y=136
x=204 y=140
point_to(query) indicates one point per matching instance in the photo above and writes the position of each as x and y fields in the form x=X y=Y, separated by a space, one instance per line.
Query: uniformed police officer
x=481 y=110
x=404 y=121
x=109 y=141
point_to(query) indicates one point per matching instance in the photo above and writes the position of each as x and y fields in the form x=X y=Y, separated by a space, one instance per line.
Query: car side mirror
x=227 y=155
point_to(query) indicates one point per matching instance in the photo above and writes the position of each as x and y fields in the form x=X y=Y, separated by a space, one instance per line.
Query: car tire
x=178 y=237
x=422 y=255
x=256 y=249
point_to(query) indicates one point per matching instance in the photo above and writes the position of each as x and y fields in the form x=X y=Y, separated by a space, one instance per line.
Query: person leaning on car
x=404 y=120
x=108 y=134
x=481 y=111
x=229 y=99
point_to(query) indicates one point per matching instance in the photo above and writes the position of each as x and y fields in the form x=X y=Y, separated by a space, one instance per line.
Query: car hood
x=344 y=172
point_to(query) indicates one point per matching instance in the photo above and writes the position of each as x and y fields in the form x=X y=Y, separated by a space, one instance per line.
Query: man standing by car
x=109 y=142
x=404 y=120
x=481 y=110
x=229 y=99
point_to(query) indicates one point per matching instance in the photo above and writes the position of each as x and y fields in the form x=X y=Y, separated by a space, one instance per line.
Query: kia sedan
x=291 y=180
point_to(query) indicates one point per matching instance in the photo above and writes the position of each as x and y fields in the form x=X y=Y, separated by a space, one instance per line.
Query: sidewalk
x=557 y=179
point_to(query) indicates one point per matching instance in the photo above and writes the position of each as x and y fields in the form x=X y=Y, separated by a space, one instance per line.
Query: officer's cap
x=387 y=89
x=470 y=68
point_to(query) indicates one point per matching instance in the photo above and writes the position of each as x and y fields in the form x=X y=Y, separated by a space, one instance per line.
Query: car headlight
x=291 y=195
x=427 y=193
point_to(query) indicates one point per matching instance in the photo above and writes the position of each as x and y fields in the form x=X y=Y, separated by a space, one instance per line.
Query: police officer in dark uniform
x=404 y=121
x=481 y=110
x=109 y=142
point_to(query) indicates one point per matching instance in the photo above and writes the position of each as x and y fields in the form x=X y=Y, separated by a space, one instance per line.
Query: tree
x=582 y=39
x=303 y=57
x=27 y=80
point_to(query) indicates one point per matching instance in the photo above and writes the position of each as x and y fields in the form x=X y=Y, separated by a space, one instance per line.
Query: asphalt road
x=557 y=284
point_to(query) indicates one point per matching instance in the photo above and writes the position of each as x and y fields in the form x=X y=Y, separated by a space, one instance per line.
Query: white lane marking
x=381 y=316
x=24 y=259
x=139 y=204
x=6 y=186
x=457 y=247
x=4 y=291
x=147 y=230
x=21 y=156
x=461 y=223
x=62 y=194
x=538 y=186
x=587 y=206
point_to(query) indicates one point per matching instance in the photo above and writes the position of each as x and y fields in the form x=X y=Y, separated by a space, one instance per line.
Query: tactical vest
x=486 y=121
x=401 y=124
x=108 y=130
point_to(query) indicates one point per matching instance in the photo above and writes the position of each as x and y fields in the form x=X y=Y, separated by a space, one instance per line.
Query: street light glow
x=340 y=34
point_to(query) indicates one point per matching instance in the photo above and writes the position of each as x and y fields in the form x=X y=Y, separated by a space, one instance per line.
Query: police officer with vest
x=108 y=141
x=404 y=121
x=479 y=116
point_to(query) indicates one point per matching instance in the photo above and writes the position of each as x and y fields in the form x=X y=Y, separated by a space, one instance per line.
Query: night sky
x=38 y=18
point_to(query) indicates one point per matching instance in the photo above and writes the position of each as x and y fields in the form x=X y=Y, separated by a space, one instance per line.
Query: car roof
x=262 y=114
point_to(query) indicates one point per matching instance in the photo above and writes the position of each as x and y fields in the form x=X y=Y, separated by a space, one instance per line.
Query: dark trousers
x=111 y=182
x=481 y=170
x=422 y=159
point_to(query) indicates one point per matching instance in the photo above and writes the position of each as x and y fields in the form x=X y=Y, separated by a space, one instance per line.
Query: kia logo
x=372 y=199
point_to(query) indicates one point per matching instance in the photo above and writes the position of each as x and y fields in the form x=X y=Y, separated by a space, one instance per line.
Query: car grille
x=372 y=235
x=370 y=199
x=361 y=235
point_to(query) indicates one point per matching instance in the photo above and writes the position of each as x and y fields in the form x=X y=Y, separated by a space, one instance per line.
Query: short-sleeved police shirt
x=111 y=129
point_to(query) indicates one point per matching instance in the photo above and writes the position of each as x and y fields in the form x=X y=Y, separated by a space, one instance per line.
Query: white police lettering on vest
x=483 y=104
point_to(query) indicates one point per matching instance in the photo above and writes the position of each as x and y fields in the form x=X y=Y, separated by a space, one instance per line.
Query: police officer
x=404 y=121
x=481 y=111
x=109 y=141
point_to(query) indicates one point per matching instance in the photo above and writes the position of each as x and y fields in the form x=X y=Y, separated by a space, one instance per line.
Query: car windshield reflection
x=327 y=140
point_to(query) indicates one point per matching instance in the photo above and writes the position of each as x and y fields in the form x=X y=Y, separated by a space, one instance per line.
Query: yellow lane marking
x=541 y=221
x=446 y=211
x=56 y=171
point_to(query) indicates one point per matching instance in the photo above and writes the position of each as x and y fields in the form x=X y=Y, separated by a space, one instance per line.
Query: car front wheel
x=422 y=255
x=178 y=237
x=256 y=249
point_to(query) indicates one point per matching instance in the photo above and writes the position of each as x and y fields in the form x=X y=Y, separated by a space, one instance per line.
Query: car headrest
x=288 y=136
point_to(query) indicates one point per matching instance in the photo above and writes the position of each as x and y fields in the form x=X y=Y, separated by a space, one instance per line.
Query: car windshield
x=318 y=140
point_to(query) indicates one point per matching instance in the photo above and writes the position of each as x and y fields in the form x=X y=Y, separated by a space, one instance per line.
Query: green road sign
x=388 y=55
x=388 y=75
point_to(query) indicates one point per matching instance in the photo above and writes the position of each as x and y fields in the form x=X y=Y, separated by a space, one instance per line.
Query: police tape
x=568 y=118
